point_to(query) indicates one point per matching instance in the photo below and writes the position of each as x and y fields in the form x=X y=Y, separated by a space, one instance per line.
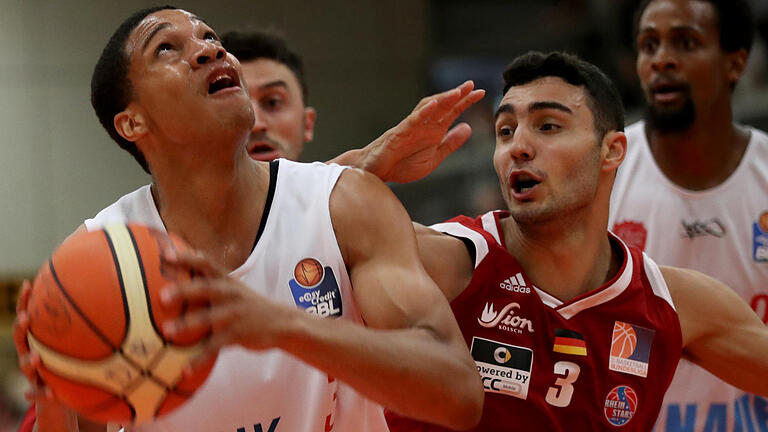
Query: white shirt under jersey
x=272 y=391
x=722 y=232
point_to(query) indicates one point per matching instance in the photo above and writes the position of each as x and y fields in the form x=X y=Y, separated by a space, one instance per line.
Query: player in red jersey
x=571 y=329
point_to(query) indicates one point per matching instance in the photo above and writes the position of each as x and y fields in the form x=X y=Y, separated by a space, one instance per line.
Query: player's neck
x=216 y=210
x=702 y=156
x=564 y=262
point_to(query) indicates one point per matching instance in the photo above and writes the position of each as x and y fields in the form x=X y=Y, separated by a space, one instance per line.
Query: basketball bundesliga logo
x=315 y=289
x=630 y=348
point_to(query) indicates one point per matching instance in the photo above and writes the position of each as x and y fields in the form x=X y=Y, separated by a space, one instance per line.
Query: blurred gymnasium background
x=368 y=63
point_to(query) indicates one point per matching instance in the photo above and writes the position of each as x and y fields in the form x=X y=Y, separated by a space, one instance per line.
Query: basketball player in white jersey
x=692 y=190
x=185 y=113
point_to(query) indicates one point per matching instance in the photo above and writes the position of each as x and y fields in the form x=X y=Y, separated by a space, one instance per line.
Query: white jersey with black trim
x=722 y=232
x=296 y=260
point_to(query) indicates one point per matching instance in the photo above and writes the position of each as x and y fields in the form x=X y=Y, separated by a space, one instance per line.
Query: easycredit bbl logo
x=315 y=289
x=504 y=369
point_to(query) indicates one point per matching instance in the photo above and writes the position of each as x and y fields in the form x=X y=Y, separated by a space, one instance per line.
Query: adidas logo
x=516 y=284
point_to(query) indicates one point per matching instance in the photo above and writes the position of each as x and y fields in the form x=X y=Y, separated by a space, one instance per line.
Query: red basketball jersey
x=600 y=361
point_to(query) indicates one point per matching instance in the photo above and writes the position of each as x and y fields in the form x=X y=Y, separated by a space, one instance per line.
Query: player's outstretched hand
x=419 y=143
x=237 y=314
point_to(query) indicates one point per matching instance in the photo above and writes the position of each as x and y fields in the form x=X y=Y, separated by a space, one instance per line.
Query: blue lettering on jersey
x=716 y=418
x=674 y=420
x=750 y=415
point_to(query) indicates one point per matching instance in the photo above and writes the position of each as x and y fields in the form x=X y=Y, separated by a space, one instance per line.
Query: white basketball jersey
x=271 y=391
x=722 y=232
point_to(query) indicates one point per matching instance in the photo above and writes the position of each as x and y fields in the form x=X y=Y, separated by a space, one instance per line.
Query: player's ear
x=736 y=63
x=130 y=124
x=613 y=150
x=309 y=123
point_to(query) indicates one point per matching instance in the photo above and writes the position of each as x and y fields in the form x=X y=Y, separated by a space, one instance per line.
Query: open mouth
x=221 y=82
x=667 y=91
x=523 y=182
x=261 y=148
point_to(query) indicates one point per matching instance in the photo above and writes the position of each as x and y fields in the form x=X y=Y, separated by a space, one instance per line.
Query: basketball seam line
x=82 y=315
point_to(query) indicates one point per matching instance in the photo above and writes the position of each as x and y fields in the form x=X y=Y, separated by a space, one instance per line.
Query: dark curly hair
x=602 y=97
x=110 y=87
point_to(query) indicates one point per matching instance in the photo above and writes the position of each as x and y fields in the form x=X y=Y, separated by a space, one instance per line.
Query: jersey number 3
x=560 y=395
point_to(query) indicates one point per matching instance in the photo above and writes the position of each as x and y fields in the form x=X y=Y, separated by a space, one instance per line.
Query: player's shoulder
x=480 y=234
x=135 y=206
x=759 y=141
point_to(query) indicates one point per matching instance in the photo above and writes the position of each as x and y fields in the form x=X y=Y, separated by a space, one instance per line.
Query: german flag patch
x=569 y=342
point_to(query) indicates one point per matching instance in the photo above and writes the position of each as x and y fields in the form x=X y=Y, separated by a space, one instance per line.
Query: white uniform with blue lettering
x=271 y=391
x=722 y=232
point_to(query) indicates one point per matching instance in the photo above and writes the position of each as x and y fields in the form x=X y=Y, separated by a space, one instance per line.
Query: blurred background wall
x=368 y=64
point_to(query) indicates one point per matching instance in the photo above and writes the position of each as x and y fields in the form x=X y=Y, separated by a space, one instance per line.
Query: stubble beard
x=672 y=120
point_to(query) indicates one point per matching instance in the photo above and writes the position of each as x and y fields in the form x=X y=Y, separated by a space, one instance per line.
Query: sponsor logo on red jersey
x=632 y=232
x=505 y=320
x=620 y=405
x=515 y=284
x=630 y=348
x=503 y=368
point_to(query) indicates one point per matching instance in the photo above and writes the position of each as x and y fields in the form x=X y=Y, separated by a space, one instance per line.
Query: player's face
x=283 y=123
x=185 y=85
x=682 y=69
x=547 y=156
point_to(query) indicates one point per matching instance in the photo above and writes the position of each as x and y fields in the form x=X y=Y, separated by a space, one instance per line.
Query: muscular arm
x=446 y=260
x=412 y=357
x=720 y=332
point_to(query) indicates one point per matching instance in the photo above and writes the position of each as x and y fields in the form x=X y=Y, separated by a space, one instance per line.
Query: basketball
x=624 y=340
x=308 y=272
x=95 y=319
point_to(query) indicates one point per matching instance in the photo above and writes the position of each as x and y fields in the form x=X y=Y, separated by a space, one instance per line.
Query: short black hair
x=254 y=45
x=602 y=97
x=735 y=21
x=110 y=87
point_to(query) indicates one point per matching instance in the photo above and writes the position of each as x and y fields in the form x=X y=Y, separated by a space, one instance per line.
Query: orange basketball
x=624 y=340
x=96 y=322
x=308 y=272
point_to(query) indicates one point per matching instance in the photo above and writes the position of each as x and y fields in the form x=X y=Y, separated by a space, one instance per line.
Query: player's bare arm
x=720 y=332
x=412 y=337
x=417 y=342
x=446 y=260
x=419 y=143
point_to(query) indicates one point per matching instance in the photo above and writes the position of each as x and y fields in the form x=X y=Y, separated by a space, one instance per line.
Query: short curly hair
x=110 y=87
x=602 y=96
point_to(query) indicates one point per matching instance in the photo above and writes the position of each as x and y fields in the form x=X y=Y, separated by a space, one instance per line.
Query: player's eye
x=211 y=36
x=549 y=127
x=648 y=45
x=272 y=102
x=163 y=47
x=505 y=131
